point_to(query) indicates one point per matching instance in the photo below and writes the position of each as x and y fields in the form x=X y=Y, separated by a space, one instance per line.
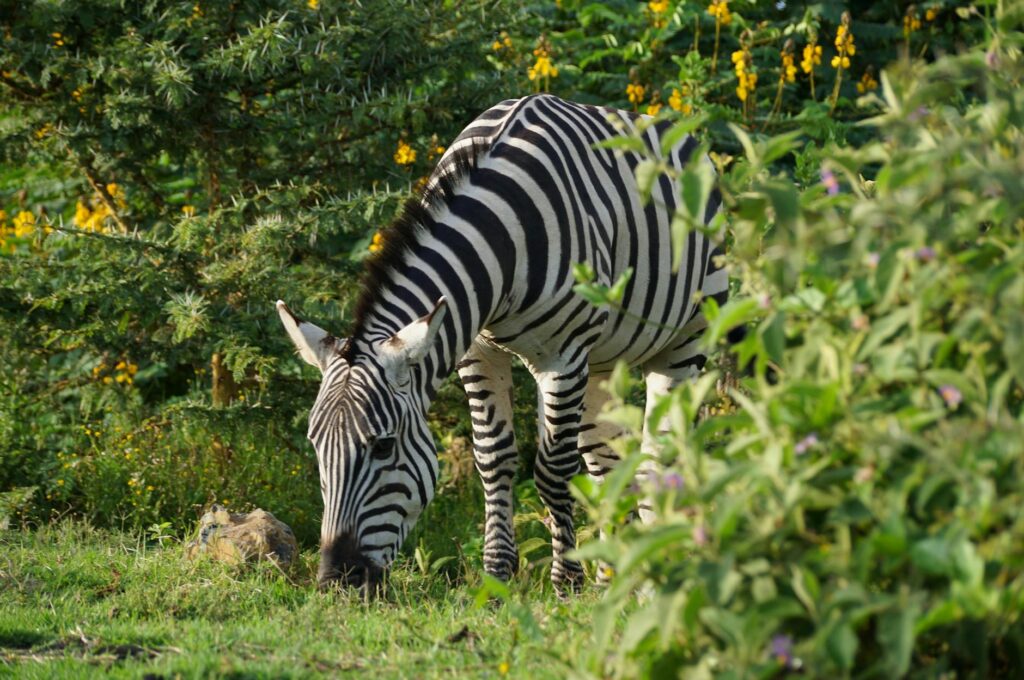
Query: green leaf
x=647 y=173
x=841 y=644
x=677 y=132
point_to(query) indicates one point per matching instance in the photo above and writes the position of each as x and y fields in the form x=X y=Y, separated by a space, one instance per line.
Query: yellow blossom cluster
x=931 y=13
x=95 y=218
x=58 y=39
x=678 y=100
x=44 y=131
x=542 y=68
x=658 y=8
x=719 y=9
x=812 y=57
x=635 y=93
x=313 y=4
x=405 y=154
x=788 y=71
x=746 y=79
x=911 y=21
x=844 y=46
x=867 y=83
x=123 y=372
x=654 y=108
x=504 y=42
x=23 y=225
x=377 y=244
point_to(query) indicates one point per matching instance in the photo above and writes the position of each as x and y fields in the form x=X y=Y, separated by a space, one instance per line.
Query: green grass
x=77 y=601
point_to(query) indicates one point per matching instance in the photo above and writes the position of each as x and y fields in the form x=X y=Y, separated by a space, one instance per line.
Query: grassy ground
x=77 y=601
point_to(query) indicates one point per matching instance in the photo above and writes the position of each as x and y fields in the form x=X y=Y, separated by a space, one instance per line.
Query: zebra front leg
x=593 y=442
x=558 y=461
x=487 y=377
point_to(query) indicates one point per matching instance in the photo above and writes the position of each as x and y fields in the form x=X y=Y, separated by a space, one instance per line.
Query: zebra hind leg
x=558 y=461
x=487 y=377
x=683 y=361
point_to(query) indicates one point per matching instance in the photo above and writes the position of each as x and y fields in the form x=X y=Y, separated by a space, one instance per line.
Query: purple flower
x=781 y=649
x=672 y=480
x=806 y=444
x=925 y=254
x=951 y=396
x=830 y=182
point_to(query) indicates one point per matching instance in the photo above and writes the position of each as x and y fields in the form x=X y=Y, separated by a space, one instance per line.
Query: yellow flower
x=788 y=72
x=405 y=154
x=658 y=6
x=844 y=45
x=24 y=224
x=745 y=81
x=867 y=83
x=930 y=14
x=653 y=108
x=812 y=57
x=313 y=4
x=82 y=214
x=150 y=487
x=635 y=93
x=503 y=668
x=44 y=131
x=677 y=103
x=377 y=244
x=542 y=68
x=720 y=10
x=58 y=39
x=116 y=193
x=189 y=210
x=60 y=482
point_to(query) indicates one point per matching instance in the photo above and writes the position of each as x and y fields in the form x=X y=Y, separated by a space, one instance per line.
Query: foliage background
x=172 y=168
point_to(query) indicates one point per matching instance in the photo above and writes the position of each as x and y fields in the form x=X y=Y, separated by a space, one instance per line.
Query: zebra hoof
x=567 y=577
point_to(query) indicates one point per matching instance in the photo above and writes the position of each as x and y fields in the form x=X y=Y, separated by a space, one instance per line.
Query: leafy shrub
x=860 y=510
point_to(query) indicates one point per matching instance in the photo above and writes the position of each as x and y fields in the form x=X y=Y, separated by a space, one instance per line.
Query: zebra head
x=377 y=458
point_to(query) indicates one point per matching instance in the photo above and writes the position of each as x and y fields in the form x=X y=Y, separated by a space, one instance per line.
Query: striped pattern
x=518 y=198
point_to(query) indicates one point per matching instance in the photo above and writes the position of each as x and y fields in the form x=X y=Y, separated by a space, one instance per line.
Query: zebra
x=478 y=270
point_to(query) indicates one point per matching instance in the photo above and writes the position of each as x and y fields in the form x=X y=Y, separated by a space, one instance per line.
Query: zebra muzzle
x=342 y=564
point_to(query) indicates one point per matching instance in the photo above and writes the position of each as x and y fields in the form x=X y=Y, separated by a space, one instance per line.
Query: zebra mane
x=415 y=216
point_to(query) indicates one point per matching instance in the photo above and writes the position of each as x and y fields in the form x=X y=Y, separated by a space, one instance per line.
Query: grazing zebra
x=477 y=270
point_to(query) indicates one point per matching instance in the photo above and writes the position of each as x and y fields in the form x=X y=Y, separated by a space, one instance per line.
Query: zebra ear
x=412 y=343
x=315 y=345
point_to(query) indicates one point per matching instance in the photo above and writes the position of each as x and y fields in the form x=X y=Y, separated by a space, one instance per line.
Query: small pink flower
x=925 y=254
x=700 y=536
x=951 y=396
x=864 y=474
x=992 y=58
x=872 y=260
x=805 y=444
x=764 y=301
x=860 y=323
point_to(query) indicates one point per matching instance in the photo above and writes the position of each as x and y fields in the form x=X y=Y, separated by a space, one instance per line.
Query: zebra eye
x=382 y=448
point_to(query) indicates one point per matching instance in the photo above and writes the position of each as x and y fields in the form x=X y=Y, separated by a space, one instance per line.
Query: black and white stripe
x=478 y=270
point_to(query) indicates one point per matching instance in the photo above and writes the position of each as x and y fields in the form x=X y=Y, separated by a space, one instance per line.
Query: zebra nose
x=343 y=564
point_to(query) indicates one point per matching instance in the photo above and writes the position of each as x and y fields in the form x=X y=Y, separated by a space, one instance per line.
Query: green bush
x=859 y=511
